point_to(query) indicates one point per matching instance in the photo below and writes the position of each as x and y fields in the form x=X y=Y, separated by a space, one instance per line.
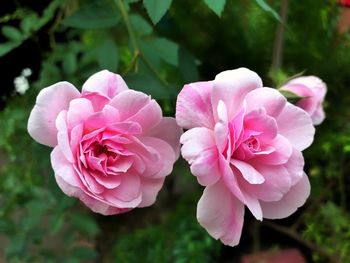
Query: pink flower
x=112 y=147
x=313 y=90
x=244 y=145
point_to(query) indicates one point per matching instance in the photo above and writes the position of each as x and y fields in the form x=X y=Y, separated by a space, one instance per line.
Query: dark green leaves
x=97 y=14
x=156 y=8
x=108 y=55
x=216 y=5
x=11 y=33
x=187 y=66
x=265 y=6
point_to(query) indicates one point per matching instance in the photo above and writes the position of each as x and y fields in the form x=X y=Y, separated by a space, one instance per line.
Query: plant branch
x=293 y=234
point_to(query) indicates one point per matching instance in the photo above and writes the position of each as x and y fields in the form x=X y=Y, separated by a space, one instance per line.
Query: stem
x=126 y=19
x=277 y=55
x=134 y=43
x=293 y=234
x=152 y=69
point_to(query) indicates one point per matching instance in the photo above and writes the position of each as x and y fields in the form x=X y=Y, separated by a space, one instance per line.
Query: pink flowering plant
x=312 y=91
x=244 y=144
x=112 y=148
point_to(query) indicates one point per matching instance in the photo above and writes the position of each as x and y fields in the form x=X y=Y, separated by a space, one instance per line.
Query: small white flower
x=26 y=72
x=21 y=84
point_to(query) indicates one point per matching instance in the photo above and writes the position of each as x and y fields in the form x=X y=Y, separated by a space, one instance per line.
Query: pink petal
x=318 y=116
x=269 y=99
x=138 y=107
x=166 y=154
x=150 y=189
x=97 y=100
x=296 y=125
x=195 y=141
x=221 y=214
x=168 y=131
x=50 y=101
x=128 y=194
x=206 y=167
x=94 y=204
x=231 y=87
x=193 y=106
x=64 y=169
x=290 y=202
x=105 y=83
x=277 y=182
x=248 y=172
x=281 y=154
x=63 y=136
x=107 y=116
x=79 y=110
x=295 y=166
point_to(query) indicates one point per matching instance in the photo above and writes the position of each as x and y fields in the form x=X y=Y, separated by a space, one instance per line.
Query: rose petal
x=50 y=101
x=193 y=105
x=231 y=87
x=290 y=202
x=137 y=107
x=105 y=83
x=169 y=131
x=150 y=189
x=269 y=99
x=248 y=172
x=296 y=125
x=221 y=214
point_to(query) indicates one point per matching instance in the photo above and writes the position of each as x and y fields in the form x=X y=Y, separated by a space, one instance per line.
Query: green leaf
x=84 y=253
x=266 y=7
x=290 y=96
x=85 y=223
x=187 y=66
x=216 y=5
x=148 y=85
x=7 y=47
x=98 y=14
x=140 y=25
x=70 y=63
x=108 y=55
x=166 y=49
x=11 y=33
x=156 y=8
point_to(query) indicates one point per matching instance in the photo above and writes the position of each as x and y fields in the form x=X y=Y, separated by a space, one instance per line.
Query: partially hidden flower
x=244 y=145
x=112 y=146
x=312 y=91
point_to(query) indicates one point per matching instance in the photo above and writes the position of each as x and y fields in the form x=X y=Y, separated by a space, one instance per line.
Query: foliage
x=157 y=50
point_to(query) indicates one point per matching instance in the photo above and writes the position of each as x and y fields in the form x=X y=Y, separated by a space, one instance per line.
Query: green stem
x=126 y=19
x=134 y=43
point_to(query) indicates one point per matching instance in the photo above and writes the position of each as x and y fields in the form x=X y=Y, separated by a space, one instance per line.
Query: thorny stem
x=134 y=43
x=293 y=234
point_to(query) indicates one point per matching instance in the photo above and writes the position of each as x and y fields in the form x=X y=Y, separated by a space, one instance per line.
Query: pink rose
x=313 y=90
x=244 y=145
x=112 y=147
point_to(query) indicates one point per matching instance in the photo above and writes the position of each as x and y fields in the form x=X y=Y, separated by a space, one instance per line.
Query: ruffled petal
x=193 y=106
x=105 y=83
x=231 y=87
x=221 y=214
x=50 y=101
x=290 y=202
x=150 y=189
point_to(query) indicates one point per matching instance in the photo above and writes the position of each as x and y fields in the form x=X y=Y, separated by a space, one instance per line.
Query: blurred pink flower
x=313 y=91
x=244 y=144
x=112 y=147
x=279 y=256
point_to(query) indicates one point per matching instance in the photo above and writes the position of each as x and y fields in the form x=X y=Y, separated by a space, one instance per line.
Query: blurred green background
x=194 y=40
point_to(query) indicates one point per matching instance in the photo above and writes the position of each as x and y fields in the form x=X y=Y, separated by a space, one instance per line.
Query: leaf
x=108 y=55
x=166 y=49
x=7 y=47
x=187 y=66
x=69 y=63
x=290 y=96
x=148 y=85
x=216 y=5
x=12 y=33
x=266 y=7
x=156 y=8
x=84 y=253
x=140 y=25
x=85 y=223
x=97 y=14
